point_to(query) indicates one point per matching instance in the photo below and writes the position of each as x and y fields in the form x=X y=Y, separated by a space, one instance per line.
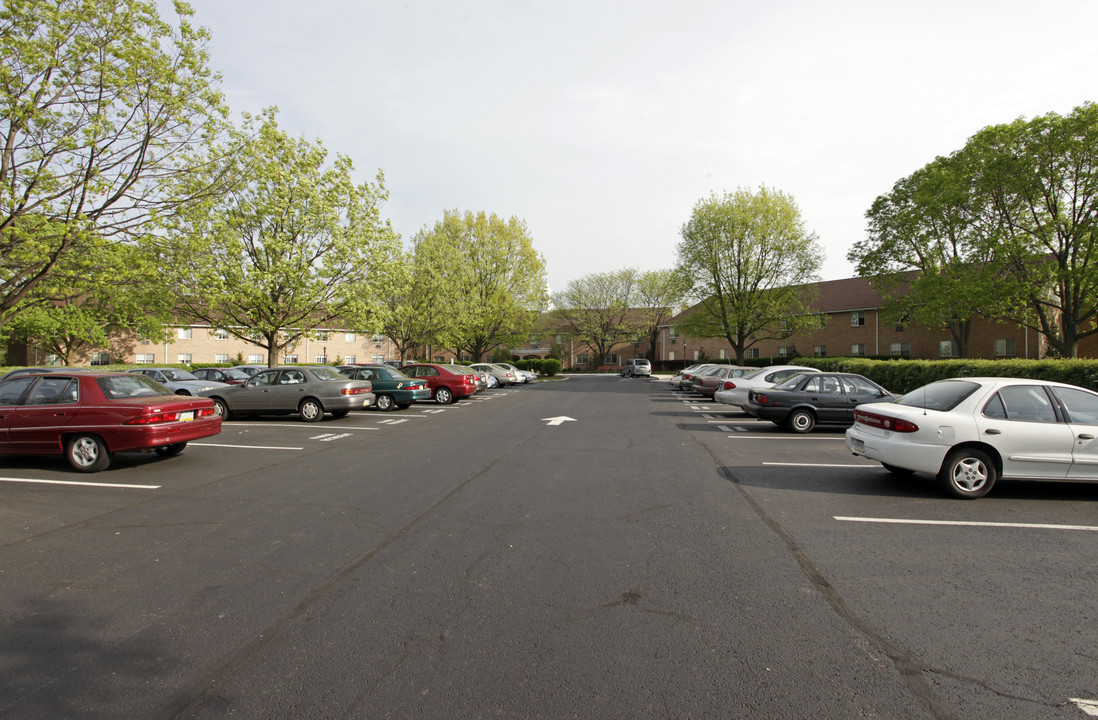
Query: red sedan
x=88 y=416
x=447 y=384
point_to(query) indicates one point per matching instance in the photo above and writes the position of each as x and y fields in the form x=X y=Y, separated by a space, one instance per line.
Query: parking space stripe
x=249 y=447
x=967 y=523
x=824 y=465
x=79 y=482
x=786 y=437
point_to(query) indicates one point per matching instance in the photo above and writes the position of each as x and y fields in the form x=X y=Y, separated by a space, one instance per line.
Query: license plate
x=186 y=416
x=857 y=446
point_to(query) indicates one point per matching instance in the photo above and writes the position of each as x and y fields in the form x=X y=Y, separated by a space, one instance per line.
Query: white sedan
x=762 y=378
x=968 y=432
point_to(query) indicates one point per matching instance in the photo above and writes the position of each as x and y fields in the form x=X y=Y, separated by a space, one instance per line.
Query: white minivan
x=636 y=368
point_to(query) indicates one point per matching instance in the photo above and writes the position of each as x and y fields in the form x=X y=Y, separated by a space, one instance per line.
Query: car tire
x=443 y=396
x=899 y=471
x=182 y=392
x=801 y=421
x=311 y=410
x=87 y=453
x=385 y=403
x=968 y=473
x=170 y=450
x=221 y=408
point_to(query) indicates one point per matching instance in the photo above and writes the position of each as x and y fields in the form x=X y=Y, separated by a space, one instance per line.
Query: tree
x=596 y=310
x=420 y=303
x=498 y=280
x=925 y=251
x=294 y=246
x=107 y=287
x=747 y=254
x=1035 y=197
x=658 y=294
x=100 y=102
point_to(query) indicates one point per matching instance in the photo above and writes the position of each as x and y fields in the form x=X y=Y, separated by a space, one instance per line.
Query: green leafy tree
x=1035 y=197
x=294 y=246
x=925 y=251
x=420 y=301
x=596 y=310
x=497 y=279
x=657 y=297
x=109 y=287
x=749 y=256
x=100 y=102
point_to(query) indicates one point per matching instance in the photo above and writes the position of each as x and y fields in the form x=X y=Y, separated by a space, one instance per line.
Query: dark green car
x=392 y=388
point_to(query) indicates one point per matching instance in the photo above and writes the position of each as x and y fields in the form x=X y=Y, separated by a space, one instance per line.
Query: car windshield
x=757 y=373
x=236 y=374
x=323 y=372
x=117 y=387
x=943 y=395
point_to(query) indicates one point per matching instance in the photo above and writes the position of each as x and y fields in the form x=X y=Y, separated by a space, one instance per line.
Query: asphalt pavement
x=593 y=547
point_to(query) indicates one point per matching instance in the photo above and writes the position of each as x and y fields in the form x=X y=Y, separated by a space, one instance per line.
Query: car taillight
x=761 y=399
x=355 y=390
x=728 y=385
x=167 y=417
x=884 y=422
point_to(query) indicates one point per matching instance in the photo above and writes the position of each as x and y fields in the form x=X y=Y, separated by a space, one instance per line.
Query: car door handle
x=992 y=431
x=1086 y=436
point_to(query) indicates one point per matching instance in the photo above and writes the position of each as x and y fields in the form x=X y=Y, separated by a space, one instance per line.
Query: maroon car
x=713 y=379
x=88 y=416
x=447 y=384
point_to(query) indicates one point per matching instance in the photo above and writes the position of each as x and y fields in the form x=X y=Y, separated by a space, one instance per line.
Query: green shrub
x=550 y=367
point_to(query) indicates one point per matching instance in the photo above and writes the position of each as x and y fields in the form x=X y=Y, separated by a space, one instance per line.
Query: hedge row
x=901 y=376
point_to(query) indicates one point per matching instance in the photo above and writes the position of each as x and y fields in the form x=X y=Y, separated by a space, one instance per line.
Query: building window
x=377 y=359
x=857 y=349
x=581 y=359
x=289 y=359
x=220 y=334
x=184 y=333
x=349 y=337
x=819 y=350
x=184 y=358
x=350 y=359
x=857 y=318
x=722 y=355
x=787 y=351
x=671 y=355
x=100 y=358
x=612 y=359
x=672 y=333
x=256 y=359
x=322 y=336
x=751 y=353
x=900 y=349
x=1004 y=347
x=221 y=358
x=146 y=341
x=948 y=349
x=321 y=359
x=146 y=358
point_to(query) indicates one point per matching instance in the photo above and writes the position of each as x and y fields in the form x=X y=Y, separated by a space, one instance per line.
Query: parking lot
x=591 y=547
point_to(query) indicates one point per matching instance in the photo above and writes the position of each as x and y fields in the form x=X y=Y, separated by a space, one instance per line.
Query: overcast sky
x=602 y=123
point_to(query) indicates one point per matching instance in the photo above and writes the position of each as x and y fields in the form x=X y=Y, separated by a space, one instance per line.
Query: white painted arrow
x=558 y=420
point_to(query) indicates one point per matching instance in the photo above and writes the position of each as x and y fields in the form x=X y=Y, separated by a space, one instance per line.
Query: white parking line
x=968 y=523
x=249 y=447
x=79 y=482
x=824 y=465
x=299 y=426
x=1090 y=707
x=784 y=437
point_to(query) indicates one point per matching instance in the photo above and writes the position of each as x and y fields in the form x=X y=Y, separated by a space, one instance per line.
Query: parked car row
x=88 y=416
x=966 y=432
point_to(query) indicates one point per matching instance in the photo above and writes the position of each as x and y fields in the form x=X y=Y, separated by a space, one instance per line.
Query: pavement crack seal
x=203 y=690
x=911 y=670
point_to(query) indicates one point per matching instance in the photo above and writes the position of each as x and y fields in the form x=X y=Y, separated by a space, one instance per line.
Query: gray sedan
x=179 y=381
x=309 y=391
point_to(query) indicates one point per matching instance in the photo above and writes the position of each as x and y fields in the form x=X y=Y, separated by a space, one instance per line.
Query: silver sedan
x=309 y=391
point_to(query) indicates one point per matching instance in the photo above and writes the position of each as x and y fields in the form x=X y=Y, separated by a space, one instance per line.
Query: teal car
x=392 y=388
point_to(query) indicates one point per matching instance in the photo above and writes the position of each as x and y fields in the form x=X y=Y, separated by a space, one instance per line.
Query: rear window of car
x=118 y=387
x=328 y=373
x=944 y=395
